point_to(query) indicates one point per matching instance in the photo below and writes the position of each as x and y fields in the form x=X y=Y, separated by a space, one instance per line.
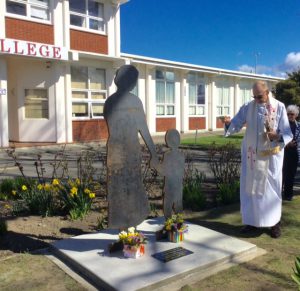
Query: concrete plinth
x=212 y=251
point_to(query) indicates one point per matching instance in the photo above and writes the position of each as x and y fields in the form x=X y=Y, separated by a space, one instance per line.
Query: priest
x=267 y=132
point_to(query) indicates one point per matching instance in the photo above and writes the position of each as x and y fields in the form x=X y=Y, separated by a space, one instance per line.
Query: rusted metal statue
x=124 y=114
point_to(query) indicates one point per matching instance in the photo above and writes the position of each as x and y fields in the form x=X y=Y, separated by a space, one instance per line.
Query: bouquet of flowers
x=176 y=223
x=133 y=243
x=132 y=237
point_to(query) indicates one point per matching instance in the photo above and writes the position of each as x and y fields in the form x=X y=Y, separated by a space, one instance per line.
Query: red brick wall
x=197 y=123
x=89 y=42
x=89 y=130
x=219 y=123
x=29 y=31
x=163 y=124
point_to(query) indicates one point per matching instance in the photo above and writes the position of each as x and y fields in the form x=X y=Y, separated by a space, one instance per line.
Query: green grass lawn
x=271 y=271
x=207 y=140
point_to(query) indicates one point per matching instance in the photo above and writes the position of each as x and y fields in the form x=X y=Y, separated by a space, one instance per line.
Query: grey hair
x=294 y=109
x=261 y=84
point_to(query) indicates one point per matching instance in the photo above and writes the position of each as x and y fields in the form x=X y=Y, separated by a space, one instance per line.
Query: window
x=38 y=9
x=245 y=92
x=196 y=93
x=36 y=103
x=223 y=99
x=87 y=14
x=165 y=93
x=88 y=91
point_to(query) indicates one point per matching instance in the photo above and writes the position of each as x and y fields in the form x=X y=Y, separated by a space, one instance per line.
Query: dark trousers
x=290 y=163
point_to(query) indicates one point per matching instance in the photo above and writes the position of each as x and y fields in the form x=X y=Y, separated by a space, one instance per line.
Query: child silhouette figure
x=172 y=168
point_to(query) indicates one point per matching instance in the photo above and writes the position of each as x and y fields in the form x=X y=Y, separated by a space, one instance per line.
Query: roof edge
x=189 y=66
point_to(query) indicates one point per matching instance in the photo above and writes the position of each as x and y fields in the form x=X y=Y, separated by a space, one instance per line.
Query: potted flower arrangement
x=175 y=228
x=133 y=243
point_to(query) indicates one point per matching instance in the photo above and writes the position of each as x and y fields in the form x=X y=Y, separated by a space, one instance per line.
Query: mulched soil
x=27 y=233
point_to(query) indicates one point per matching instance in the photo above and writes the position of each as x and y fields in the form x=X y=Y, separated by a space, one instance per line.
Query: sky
x=228 y=34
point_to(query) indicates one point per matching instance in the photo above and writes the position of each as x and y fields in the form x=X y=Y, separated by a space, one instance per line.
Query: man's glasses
x=289 y=113
x=259 y=97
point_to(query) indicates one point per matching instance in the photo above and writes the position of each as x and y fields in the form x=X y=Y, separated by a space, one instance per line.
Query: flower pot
x=133 y=251
x=175 y=236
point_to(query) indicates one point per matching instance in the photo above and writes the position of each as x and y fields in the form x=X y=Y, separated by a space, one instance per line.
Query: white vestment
x=261 y=175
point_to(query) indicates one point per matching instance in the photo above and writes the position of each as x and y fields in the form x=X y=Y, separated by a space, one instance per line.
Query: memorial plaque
x=172 y=254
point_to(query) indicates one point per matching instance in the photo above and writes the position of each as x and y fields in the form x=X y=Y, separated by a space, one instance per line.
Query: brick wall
x=197 y=123
x=89 y=42
x=89 y=130
x=219 y=123
x=163 y=124
x=29 y=31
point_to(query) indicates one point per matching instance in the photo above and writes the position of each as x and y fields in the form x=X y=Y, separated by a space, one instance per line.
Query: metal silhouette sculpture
x=124 y=114
x=172 y=168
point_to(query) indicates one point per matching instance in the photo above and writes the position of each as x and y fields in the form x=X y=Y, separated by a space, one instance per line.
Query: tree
x=288 y=91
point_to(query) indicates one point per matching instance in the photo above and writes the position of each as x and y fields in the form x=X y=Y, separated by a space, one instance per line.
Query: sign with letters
x=32 y=49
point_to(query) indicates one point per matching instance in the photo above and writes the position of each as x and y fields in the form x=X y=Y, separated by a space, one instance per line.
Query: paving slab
x=211 y=251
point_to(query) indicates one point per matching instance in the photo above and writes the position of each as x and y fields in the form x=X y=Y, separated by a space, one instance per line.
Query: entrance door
x=31 y=101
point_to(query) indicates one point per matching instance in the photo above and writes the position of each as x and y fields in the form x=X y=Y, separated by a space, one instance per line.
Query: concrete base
x=212 y=252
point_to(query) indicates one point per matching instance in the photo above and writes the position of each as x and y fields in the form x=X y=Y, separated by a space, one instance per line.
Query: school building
x=58 y=59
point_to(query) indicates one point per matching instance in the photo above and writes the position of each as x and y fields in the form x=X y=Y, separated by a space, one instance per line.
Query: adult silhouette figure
x=124 y=114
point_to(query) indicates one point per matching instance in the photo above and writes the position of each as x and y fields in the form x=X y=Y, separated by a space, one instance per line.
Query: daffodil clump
x=40 y=198
x=77 y=197
x=56 y=196
x=176 y=223
x=132 y=237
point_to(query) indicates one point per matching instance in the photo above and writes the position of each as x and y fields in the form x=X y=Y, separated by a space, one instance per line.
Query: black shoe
x=248 y=228
x=287 y=198
x=276 y=231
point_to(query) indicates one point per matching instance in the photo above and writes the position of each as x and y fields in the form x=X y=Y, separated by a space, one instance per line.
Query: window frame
x=28 y=6
x=88 y=91
x=222 y=106
x=243 y=87
x=48 y=105
x=86 y=17
x=166 y=81
x=199 y=80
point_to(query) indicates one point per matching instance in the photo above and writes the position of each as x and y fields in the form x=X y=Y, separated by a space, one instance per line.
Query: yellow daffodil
x=122 y=235
x=131 y=229
x=74 y=191
x=77 y=181
x=87 y=191
x=92 y=195
x=47 y=187
x=55 y=182
x=7 y=206
x=14 y=192
x=40 y=187
x=24 y=188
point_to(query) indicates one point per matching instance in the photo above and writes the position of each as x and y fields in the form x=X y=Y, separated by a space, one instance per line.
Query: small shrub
x=76 y=197
x=225 y=163
x=296 y=275
x=228 y=193
x=6 y=188
x=3 y=227
x=40 y=198
x=193 y=196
